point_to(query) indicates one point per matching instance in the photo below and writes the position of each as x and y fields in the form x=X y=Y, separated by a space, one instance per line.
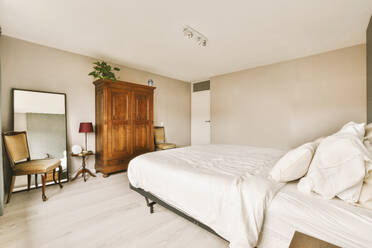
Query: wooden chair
x=159 y=136
x=16 y=147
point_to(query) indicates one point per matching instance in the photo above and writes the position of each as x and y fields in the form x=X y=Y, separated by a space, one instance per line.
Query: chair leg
x=28 y=182
x=60 y=176
x=36 y=184
x=43 y=179
x=54 y=176
x=11 y=189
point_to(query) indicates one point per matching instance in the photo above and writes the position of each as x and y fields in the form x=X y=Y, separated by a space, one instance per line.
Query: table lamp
x=86 y=127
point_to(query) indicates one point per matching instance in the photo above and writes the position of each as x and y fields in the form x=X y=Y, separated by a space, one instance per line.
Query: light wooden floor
x=103 y=212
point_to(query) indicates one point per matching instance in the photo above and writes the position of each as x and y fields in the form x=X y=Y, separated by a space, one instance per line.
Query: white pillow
x=351 y=195
x=317 y=141
x=338 y=168
x=305 y=185
x=294 y=164
x=354 y=129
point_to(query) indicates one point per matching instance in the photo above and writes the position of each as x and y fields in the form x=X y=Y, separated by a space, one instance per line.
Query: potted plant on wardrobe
x=103 y=70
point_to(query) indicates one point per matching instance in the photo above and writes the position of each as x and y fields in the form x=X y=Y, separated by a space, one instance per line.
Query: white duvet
x=223 y=186
x=334 y=221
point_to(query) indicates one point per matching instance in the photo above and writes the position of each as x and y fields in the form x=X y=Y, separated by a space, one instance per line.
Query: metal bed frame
x=155 y=200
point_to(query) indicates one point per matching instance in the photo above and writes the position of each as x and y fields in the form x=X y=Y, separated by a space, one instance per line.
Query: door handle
x=208 y=121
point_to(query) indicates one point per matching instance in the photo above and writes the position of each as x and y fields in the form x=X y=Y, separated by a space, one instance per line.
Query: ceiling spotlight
x=191 y=33
x=202 y=41
x=188 y=33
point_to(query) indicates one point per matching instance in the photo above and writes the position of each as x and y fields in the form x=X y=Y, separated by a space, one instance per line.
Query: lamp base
x=86 y=138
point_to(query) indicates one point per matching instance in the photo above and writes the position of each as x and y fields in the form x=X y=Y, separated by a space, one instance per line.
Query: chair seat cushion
x=165 y=146
x=37 y=166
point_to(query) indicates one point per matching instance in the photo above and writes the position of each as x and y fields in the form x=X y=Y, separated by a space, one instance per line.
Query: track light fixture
x=192 y=33
x=189 y=34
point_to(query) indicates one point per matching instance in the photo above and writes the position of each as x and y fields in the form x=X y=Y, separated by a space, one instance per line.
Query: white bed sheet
x=223 y=186
x=334 y=221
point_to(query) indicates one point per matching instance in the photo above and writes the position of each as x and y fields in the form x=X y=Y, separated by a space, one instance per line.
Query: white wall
x=289 y=103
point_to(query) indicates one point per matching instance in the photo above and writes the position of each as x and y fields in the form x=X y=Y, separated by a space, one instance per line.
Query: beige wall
x=30 y=66
x=285 y=104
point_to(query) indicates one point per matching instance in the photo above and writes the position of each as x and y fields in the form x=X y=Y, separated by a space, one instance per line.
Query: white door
x=200 y=118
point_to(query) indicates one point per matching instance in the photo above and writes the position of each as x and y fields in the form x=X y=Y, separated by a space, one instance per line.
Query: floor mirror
x=43 y=116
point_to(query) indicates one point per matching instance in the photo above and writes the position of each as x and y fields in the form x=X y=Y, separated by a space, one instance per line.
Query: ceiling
x=148 y=35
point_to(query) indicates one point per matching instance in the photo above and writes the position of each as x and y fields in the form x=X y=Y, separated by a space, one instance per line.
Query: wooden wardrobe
x=124 y=124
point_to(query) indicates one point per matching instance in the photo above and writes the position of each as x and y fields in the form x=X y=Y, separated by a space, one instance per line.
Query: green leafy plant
x=102 y=70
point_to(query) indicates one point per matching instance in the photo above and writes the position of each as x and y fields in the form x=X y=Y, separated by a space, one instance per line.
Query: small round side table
x=83 y=155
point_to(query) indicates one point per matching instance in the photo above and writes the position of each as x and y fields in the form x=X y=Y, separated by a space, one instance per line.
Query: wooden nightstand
x=301 y=240
x=83 y=170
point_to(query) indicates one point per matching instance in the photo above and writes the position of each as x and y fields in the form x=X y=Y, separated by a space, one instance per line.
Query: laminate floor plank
x=102 y=212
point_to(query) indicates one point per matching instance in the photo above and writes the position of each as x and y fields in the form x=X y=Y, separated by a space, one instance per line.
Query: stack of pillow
x=339 y=165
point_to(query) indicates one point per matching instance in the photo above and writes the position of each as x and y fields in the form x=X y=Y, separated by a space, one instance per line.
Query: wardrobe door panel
x=143 y=121
x=141 y=141
x=119 y=123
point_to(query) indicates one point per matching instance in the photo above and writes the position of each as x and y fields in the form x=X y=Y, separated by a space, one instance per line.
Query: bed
x=334 y=221
x=225 y=189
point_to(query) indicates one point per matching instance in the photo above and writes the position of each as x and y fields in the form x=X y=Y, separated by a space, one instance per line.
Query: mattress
x=334 y=221
x=223 y=186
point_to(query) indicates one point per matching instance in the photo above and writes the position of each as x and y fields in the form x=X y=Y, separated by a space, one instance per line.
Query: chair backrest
x=16 y=146
x=159 y=135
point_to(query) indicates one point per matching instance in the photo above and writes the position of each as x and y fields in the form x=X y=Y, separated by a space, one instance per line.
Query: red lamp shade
x=86 y=127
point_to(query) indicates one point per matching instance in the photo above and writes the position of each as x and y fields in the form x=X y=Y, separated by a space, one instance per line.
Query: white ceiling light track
x=191 y=33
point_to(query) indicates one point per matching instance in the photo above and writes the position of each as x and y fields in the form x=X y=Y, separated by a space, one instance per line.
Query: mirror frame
x=67 y=155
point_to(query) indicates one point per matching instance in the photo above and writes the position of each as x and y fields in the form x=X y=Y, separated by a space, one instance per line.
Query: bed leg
x=150 y=205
